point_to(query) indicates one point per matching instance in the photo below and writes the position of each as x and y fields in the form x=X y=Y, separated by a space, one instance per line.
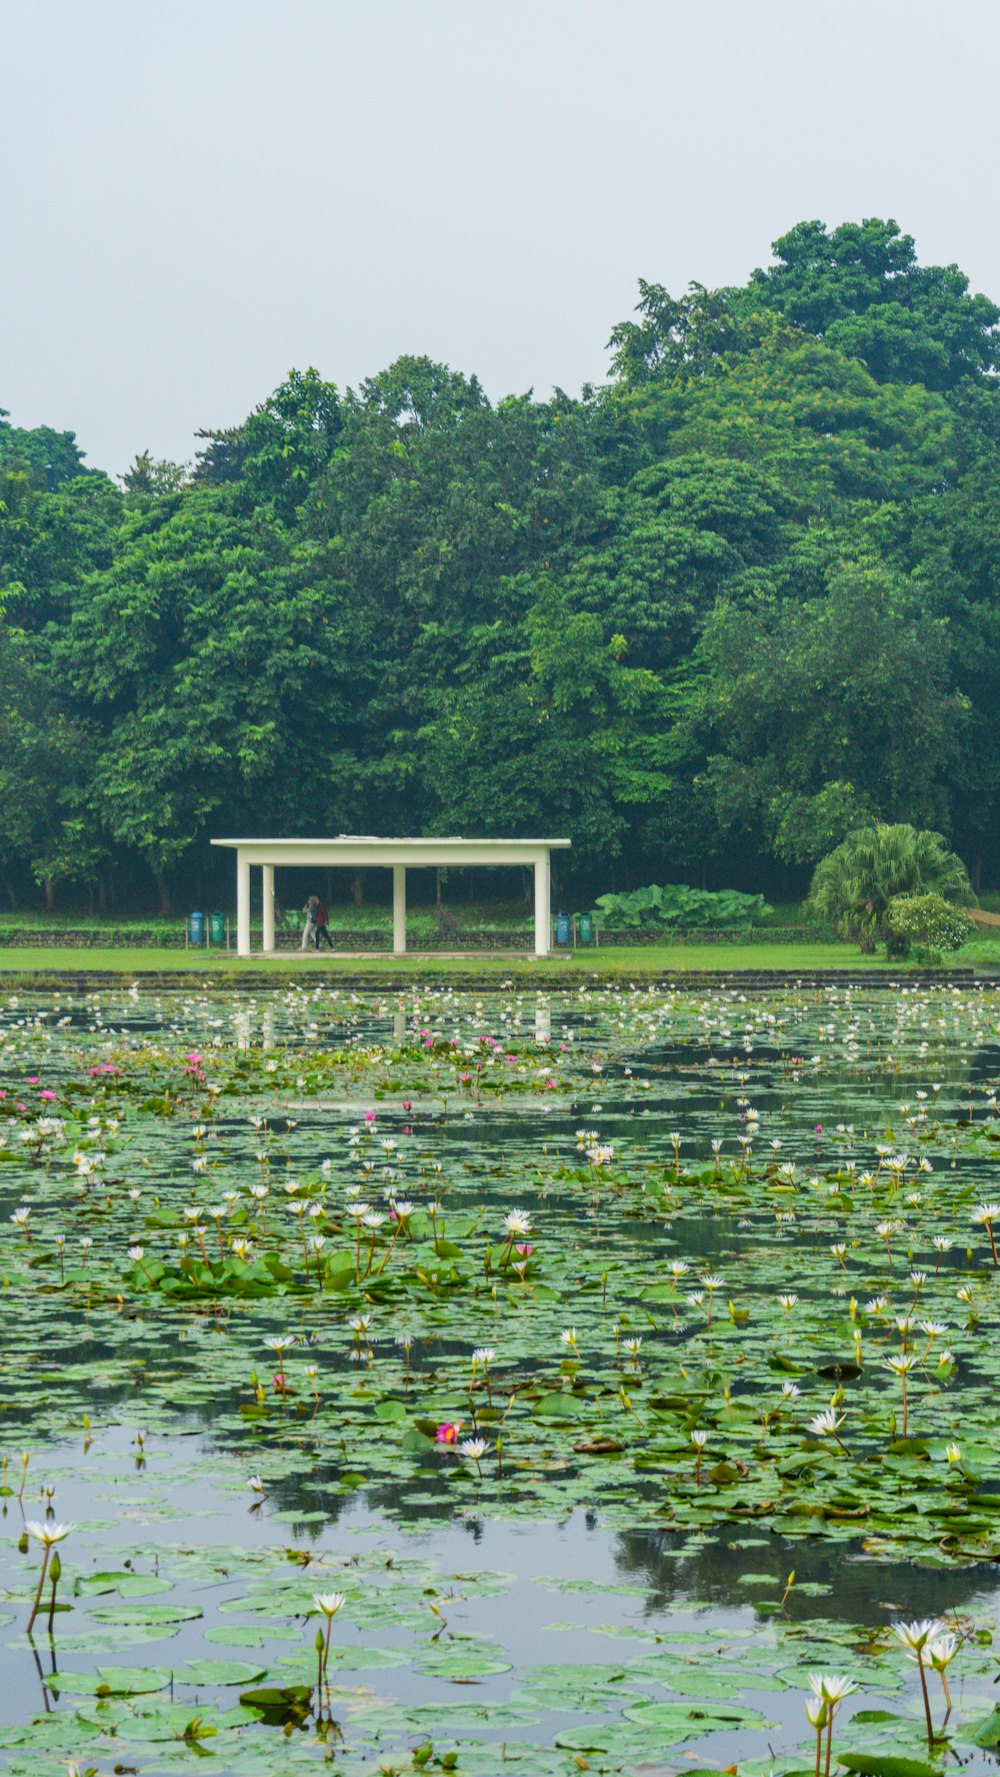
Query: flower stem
x=927 y=1701
x=38 y=1594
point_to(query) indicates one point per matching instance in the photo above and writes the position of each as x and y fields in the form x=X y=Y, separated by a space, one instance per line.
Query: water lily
x=985 y=1214
x=48 y=1535
x=915 y=1637
x=829 y=1689
x=474 y=1449
x=329 y=1603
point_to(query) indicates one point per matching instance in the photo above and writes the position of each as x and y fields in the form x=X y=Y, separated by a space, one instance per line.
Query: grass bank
x=644 y=960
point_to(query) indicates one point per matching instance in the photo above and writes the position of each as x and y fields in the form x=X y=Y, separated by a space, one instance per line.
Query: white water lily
x=47 y=1534
x=329 y=1602
x=832 y=1687
x=942 y=1650
x=825 y=1424
x=916 y=1635
x=516 y=1221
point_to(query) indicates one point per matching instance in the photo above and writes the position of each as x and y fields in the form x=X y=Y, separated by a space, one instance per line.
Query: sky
x=200 y=195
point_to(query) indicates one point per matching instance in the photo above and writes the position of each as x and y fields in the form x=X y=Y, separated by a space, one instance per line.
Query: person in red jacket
x=322 y=921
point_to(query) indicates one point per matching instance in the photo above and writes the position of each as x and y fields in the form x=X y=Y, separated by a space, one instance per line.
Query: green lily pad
x=222 y=1672
x=148 y=1616
x=115 y=1681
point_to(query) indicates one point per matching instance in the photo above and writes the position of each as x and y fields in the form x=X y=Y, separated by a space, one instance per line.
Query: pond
x=620 y=1358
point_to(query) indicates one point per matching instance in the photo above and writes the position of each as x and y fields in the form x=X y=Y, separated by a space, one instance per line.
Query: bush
x=927 y=922
x=658 y=909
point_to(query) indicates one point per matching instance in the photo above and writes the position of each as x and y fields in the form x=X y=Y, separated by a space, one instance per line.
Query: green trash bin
x=585 y=928
x=217 y=928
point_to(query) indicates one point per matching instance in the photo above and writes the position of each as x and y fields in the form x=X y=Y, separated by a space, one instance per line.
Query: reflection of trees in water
x=293 y=1495
x=866 y=1592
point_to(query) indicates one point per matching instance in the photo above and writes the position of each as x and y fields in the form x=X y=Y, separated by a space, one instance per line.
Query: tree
x=687 y=336
x=49 y=457
x=154 y=478
x=276 y=455
x=859 y=288
x=817 y=714
x=852 y=888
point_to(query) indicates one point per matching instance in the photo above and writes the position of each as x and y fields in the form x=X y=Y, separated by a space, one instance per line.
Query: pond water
x=702 y=1478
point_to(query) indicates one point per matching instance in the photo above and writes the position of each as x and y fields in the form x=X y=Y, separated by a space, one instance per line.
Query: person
x=322 y=919
x=309 y=929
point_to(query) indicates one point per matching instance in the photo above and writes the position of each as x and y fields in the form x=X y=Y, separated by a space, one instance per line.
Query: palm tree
x=851 y=889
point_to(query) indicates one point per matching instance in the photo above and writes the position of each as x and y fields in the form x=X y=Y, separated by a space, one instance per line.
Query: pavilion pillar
x=242 y=905
x=267 y=874
x=398 y=909
x=543 y=914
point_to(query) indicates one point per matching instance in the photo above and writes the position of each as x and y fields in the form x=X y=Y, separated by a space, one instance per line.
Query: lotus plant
x=48 y=1535
x=901 y=1364
x=985 y=1214
x=474 y=1449
x=829 y=1690
x=940 y=1653
x=329 y=1603
x=484 y=1355
x=916 y=1637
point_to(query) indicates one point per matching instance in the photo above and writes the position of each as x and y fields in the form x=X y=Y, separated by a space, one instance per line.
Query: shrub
x=927 y=922
x=658 y=909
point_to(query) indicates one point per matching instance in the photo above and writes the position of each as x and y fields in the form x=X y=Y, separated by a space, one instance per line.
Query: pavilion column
x=242 y=905
x=267 y=873
x=543 y=915
x=398 y=909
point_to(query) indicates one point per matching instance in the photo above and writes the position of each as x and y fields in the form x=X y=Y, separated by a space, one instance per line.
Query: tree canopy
x=705 y=620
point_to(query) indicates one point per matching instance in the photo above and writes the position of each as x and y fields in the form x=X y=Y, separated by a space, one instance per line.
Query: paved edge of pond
x=375 y=979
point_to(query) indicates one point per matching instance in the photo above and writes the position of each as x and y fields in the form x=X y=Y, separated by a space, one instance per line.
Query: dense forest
x=704 y=620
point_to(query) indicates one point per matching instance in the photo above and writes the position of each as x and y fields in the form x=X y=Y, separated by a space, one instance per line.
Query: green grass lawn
x=642 y=960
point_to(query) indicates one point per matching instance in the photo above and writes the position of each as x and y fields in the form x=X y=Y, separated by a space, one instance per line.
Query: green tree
x=860 y=289
x=50 y=458
x=852 y=888
x=814 y=715
x=277 y=454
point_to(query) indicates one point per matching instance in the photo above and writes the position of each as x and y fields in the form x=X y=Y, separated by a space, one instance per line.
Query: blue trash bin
x=196 y=928
x=564 y=929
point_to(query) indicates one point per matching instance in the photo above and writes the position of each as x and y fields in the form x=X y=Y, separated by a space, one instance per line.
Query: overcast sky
x=199 y=195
